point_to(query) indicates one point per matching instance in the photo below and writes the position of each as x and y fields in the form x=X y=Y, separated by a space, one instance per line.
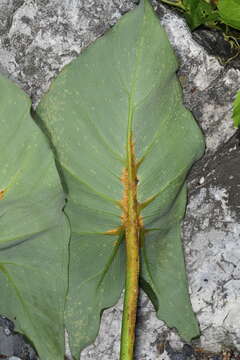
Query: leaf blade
x=111 y=89
x=163 y=268
x=32 y=261
x=230 y=12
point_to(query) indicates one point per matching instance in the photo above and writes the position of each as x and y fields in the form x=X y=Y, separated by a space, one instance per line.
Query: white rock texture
x=37 y=38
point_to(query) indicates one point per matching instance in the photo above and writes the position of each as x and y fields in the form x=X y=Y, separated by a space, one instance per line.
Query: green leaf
x=236 y=110
x=200 y=12
x=125 y=82
x=229 y=11
x=33 y=230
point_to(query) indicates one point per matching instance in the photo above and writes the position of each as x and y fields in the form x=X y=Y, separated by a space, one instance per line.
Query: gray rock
x=212 y=233
x=12 y=344
x=36 y=40
x=209 y=87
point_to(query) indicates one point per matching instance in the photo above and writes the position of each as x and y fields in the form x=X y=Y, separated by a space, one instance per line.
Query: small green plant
x=229 y=12
x=123 y=145
x=222 y=15
x=218 y=14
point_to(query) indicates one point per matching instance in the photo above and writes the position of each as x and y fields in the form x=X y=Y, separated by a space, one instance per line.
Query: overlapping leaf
x=33 y=230
x=123 y=83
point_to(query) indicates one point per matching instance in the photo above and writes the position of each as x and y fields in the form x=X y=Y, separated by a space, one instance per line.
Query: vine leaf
x=123 y=86
x=200 y=12
x=34 y=234
x=229 y=11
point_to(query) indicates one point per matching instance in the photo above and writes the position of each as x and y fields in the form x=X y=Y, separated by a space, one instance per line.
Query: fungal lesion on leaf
x=130 y=184
x=116 y=231
x=2 y=194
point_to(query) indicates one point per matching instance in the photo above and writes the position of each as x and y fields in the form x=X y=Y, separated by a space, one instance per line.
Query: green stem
x=132 y=263
x=130 y=298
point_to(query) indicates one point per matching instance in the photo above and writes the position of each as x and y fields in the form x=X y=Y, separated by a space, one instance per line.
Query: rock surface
x=12 y=344
x=37 y=38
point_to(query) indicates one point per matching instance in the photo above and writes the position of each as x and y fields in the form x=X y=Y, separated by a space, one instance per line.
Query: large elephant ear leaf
x=123 y=88
x=34 y=233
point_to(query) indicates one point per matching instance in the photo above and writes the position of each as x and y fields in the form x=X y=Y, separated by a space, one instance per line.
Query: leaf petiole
x=132 y=244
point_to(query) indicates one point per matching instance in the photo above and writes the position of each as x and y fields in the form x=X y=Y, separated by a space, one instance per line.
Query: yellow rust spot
x=124 y=201
x=130 y=186
x=129 y=182
x=1 y=194
x=115 y=231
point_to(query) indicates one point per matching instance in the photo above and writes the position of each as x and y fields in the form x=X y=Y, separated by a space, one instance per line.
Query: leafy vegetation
x=229 y=12
x=199 y=12
x=212 y=13
x=124 y=144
